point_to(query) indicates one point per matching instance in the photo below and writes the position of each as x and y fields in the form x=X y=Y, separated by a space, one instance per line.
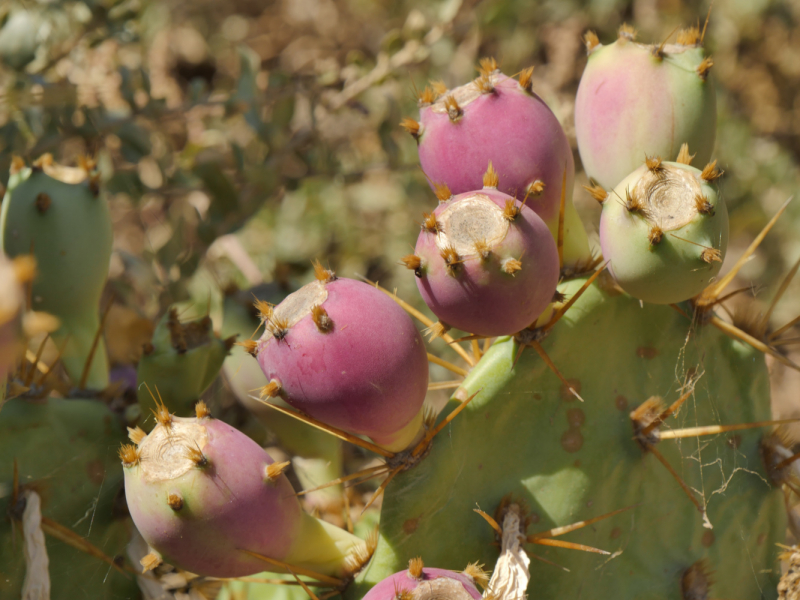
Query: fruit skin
x=228 y=504
x=65 y=450
x=12 y=306
x=368 y=375
x=508 y=440
x=403 y=581
x=672 y=270
x=67 y=227
x=182 y=360
x=476 y=295
x=514 y=129
x=631 y=104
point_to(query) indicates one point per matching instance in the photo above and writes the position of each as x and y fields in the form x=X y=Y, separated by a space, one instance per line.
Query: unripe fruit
x=664 y=231
x=346 y=354
x=488 y=265
x=636 y=100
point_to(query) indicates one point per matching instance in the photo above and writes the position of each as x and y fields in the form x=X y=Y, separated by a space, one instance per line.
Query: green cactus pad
x=66 y=451
x=55 y=213
x=522 y=435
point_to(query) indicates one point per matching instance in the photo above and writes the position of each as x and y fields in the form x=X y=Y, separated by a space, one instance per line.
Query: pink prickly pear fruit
x=346 y=354
x=500 y=119
x=419 y=582
x=664 y=231
x=485 y=263
x=203 y=495
x=636 y=100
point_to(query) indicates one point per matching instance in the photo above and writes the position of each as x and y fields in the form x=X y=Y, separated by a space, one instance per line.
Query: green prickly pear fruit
x=637 y=99
x=664 y=231
x=524 y=434
x=64 y=450
x=57 y=214
x=179 y=363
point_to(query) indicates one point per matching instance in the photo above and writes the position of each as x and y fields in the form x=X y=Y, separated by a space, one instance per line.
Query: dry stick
x=490 y=520
x=570 y=545
x=447 y=365
x=382 y=487
x=787 y=461
x=561 y=213
x=717 y=288
x=371 y=470
x=549 y=562
x=538 y=347
x=487 y=343
x=327 y=428
x=557 y=531
x=785 y=328
x=445 y=385
x=672 y=434
x=786 y=341
x=677 y=477
x=36 y=365
x=762 y=326
x=306 y=589
x=737 y=333
x=476 y=351
x=301 y=570
x=424 y=320
x=69 y=537
x=432 y=433
x=95 y=342
x=561 y=311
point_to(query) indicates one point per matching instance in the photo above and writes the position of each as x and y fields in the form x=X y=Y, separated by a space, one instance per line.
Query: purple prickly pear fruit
x=422 y=583
x=485 y=263
x=636 y=100
x=664 y=231
x=346 y=354
x=203 y=494
x=499 y=119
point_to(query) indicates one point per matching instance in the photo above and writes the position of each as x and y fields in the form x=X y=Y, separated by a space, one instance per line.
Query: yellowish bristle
x=196 y=455
x=705 y=67
x=453 y=109
x=656 y=235
x=591 y=41
x=175 y=502
x=150 y=562
x=703 y=205
x=443 y=192
x=487 y=66
x=490 y=177
x=526 y=79
x=321 y=273
x=45 y=160
x=484 y=84
x=251 y=346
x=271 y=390
x=511 y=210
x=597 y=192
x=654 y=164
x=711 y=255
x=430 y=223
x=17 y=164
x=129 y=455
x=482 y=249
x=415 y=567
x=265 y=309
x=426 y=97
x=711 y=172
x=201 y=410
x=275 y=470
x=478 y=575
x=321 y=319
x=24 y=268
x=451 y=259
x=136 y=435
x=627 y=32
x=436 y=330
x=684 y=157
x=411 y=262
x=411 y=126
x=511 y=265
x=535 y=188
x=689 y=36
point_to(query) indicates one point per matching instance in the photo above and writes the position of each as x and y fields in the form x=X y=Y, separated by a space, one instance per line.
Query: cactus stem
x=150 y=561
x=93 y=349
x=778 y=295
x=201 y=410
x=557 y=531
x=526 y=79
x=430 y=223
x=136 y=434
x=711 y=173
x=379 y=492
x=511 y=265
x=487 y=65
x=321 y=273
x=175 y=502
x=413 y=127
x=415 y=566
x=591 y=41
x=484 y=84
x=696 y=581
x=570 y=545
x=447 y=365
x=442 y=192
x=326 y=579
x=42 y=203
x=454 y=111
x=490 y=177
x=275 y=470
x=432 y=433
x=561 y=217
x=673 y=434
x=250 y=346
x=321 y=319
x=548 y=361
x=686 y=489
x=684 y=157
x=424 y=320
x=445 y=385
x=436 y=330
x=365 y=473
x=343 y=435
x=597 y=192
x=704 y=68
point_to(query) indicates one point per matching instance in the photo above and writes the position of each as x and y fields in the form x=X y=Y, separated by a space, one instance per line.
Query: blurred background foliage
x=240 y=139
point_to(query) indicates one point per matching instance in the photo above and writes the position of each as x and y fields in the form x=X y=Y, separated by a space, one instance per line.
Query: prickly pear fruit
x=20 y=36
x=64 y=449
x=524 y=434
x=205 y=496
x=664 y=231
x=499 y=119
x=180 y=362
x=57 y=214
x=636 y=99
x=419 y=582
x=344 y=353
x=485 y=263
x=12 y=306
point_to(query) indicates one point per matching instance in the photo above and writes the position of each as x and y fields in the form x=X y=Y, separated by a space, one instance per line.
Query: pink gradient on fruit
x=402 y=581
